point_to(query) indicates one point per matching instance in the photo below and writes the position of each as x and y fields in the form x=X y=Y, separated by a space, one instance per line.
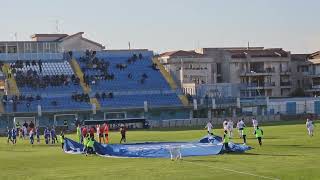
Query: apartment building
x=300 y=75
x=256 y=70
x=190 y=69
x=314 y=74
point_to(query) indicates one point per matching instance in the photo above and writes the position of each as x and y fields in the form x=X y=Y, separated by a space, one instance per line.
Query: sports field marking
x=230 y=170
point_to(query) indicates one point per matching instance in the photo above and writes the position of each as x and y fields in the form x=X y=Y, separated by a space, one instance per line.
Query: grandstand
x=121 y=86
x=82 y=82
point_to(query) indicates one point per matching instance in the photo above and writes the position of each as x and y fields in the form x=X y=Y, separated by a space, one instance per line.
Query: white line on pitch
x=230 y=170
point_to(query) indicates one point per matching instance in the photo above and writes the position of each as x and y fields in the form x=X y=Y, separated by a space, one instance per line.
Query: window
x=27 y=47
x=115 y=115
x=12 y=49
x=218 y=68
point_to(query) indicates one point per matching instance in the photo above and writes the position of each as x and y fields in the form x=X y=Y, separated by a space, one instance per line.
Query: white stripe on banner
x=230 y=170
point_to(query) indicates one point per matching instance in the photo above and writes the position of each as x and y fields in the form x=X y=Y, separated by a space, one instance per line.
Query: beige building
x=261 y=72
x=300 y=76
x=257 y=71
x=190 y=69
x=50 y=43
x=314 y=74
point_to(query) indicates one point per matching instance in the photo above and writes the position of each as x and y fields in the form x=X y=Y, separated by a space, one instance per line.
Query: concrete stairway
x=12 y=84
x=170 y=81
x=86 y=89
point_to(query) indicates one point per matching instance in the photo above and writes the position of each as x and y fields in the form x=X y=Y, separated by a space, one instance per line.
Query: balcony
x=288 y=84
x=313 y=88
x=265 y=72
x=257 y=85
x=314 y=74
x=285 y=72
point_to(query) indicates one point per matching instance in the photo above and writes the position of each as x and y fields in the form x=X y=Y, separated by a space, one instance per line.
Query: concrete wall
x=217 y=122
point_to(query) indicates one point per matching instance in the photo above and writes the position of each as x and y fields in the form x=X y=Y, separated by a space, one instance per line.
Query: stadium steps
x=78 y=72
x=12 y=84
x=86 y=89
x=96 y=102
x=184 y=100
x=165 y=74
x=1 y=105
x=170 y=81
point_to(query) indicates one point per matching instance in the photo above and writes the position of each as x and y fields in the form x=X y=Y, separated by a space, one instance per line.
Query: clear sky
x=162 y=25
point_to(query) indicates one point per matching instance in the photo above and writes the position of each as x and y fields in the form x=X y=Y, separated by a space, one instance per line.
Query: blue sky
x=170 y=24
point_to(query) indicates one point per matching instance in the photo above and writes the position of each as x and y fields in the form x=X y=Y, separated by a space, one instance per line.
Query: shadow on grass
x=272 y=155
x=201 y=160
x=295 y=146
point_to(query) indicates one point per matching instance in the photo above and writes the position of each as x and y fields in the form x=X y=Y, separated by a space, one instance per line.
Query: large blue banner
x=206 y=146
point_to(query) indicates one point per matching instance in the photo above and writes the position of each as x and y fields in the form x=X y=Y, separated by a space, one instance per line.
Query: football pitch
x=287 y=153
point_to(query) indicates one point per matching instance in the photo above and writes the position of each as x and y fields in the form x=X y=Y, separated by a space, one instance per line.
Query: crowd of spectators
x=14 y=100
x=80 y=97
x=102 y=67
x=21 y=99
x=34 y=79
x=103 y=95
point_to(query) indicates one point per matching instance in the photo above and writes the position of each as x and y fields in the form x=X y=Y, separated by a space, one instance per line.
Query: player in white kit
x=209 y=128
x=230 y=128
x=310 y=126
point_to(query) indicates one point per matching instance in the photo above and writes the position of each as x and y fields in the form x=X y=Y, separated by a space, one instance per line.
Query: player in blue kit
x=31 y=137
x=38 y=135
x=47 y=135
x=14 y=135
x=54 y=138
x=9 y=135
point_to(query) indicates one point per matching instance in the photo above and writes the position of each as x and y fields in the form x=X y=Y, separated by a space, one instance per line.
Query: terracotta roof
x=181 y=53
x=315 y=55
x=256 y=53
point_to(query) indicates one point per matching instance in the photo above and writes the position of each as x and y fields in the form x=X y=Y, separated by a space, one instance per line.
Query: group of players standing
x=242 y=131
x=33 y=133
x=86 y=136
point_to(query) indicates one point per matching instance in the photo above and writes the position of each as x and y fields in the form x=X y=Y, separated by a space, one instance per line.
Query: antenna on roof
x=129 y=45
x=57 y=26
x=248 y=45
x=15 y=36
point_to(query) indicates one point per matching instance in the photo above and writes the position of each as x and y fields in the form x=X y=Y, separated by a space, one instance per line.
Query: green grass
x=287 y=153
